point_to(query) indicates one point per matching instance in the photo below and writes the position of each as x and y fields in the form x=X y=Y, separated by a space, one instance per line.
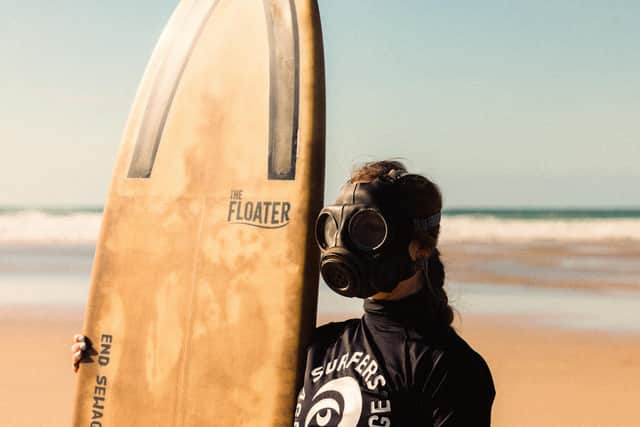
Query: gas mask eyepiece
x=368 y=229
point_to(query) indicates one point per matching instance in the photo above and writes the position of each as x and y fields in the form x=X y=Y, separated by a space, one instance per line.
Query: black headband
x=419 y=224
x=428 y=223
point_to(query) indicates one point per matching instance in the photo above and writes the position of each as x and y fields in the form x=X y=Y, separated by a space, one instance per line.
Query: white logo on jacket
x=340 y=404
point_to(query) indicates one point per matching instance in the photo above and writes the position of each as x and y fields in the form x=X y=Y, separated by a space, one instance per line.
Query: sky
x=502 y=103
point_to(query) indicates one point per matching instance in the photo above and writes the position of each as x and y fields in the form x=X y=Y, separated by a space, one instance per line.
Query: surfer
x=401 y=363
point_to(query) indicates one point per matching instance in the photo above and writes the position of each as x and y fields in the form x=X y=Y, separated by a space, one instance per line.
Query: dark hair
x=426 y=200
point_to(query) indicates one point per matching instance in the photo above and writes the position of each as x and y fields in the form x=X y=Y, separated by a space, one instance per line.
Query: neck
x=402 y=290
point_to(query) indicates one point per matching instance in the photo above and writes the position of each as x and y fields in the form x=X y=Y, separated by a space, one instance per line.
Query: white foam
x=35 y=227
x=470 y=228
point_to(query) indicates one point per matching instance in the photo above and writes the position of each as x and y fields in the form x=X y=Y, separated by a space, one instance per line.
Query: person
x=401 y=363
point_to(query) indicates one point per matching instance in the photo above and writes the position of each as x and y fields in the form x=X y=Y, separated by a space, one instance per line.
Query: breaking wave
x=77 y=227
x=492 y=229
x=44 y=228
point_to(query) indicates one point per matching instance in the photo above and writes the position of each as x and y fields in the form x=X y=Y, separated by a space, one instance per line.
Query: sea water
x=46 y=257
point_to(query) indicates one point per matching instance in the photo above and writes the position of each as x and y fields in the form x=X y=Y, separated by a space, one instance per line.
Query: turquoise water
x=541 y=213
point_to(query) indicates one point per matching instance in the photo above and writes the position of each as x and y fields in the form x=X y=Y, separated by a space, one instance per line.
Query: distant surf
x=81 y=225
x=522 y=225
x=49 y=226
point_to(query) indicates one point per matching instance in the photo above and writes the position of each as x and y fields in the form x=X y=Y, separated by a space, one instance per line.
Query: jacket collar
x=411 y=311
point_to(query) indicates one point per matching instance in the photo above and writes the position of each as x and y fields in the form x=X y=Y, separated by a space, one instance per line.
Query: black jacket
x=389 y=369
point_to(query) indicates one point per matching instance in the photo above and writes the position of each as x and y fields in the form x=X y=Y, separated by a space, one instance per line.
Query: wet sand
x=544 y=376
x=585 y=265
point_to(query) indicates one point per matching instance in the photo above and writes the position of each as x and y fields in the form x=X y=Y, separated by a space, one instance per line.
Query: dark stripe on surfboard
x=165 y=85
x=284 y=87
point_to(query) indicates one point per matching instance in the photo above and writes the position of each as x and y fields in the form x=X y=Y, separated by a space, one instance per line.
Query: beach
x=543 y=377
x=195 y=143
x=37 y=381
x=557 y=320
x=558 y=378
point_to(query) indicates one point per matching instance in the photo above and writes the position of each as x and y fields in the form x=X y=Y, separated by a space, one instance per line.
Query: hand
x=77 y=349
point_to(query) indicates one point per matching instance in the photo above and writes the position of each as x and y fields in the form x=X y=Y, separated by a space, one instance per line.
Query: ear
x=417 y=250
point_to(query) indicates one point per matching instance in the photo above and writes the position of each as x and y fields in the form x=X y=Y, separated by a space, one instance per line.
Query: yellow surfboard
x=204 y=283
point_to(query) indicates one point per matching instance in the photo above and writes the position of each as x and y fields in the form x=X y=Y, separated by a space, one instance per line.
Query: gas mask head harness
x=364 y=237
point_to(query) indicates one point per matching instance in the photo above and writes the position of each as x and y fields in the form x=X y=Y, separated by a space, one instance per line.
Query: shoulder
x=330 y=332
x=463 y=367
x=334 y=327
x=459 y=386
x=462 y=354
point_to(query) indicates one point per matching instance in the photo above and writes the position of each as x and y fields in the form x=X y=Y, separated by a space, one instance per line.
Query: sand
x=547 y=377
x=36 y=378
x=544 y=377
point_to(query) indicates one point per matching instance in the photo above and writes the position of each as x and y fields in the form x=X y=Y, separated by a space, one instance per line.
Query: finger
x=79 y=346
x=77 y=356
x=78 y=338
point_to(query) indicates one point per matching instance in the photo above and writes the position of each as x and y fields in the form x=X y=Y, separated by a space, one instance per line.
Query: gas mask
x=364 y=237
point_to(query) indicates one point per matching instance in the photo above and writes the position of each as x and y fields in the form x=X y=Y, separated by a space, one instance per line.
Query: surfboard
x=204 y=284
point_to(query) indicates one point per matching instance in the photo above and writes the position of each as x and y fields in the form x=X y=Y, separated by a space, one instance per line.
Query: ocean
x=576 y=268
x=80 y=225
